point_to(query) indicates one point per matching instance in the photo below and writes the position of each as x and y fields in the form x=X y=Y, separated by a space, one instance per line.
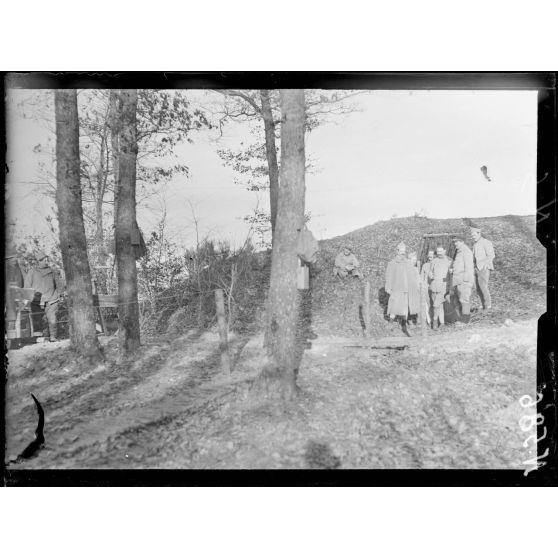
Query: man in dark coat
x=48 y=290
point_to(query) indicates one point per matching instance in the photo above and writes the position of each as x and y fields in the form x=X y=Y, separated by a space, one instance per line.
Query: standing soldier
x=427 y=266
x=463 y=277
x=439 y=285
x=483 y=252
x=48 y=289
x=402 y=287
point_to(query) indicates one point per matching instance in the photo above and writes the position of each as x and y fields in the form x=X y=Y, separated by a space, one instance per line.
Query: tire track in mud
x=134 y=411
x=72 y=399
x=76 y=380
x=104 y=441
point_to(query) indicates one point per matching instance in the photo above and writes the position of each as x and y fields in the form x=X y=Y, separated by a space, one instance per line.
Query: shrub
x=188 y=301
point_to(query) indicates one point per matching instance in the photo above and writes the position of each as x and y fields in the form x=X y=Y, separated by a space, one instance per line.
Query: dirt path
x=450 y=401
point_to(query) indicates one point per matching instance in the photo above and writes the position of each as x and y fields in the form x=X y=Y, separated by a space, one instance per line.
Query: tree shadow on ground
x=238 y=352
x=304 y=333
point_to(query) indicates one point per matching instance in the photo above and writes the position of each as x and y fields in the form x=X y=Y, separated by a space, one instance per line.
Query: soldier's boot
x=405 y=328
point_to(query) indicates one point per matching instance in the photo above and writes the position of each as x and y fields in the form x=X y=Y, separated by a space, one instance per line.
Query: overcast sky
x=402 y=152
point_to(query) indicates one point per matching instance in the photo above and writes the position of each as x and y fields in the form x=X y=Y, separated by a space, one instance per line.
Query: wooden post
x=366 y=308
x=30 y=318
x=422 y=314
x=18 y=321
x=98 y=307
x=222 y=324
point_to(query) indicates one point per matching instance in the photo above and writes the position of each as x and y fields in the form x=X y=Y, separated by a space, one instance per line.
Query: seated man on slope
x=346 y=263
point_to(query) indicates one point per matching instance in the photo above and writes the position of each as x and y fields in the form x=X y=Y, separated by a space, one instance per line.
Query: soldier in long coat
x=402 y=287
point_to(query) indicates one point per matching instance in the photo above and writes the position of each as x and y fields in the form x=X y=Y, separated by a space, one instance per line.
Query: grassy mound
x=517 y=284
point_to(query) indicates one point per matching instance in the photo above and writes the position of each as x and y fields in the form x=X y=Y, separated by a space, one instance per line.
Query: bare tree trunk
x=83 y=336
x=100 y=194
x=271 y=154
x=99 y=235
x=223 y=327
x=197 y=266
x=200 y=295
x=115 y=126
x=125 y=217
x=230 y=298
x=282 y=314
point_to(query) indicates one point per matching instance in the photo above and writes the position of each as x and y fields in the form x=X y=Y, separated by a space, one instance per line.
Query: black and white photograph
x=300 y=277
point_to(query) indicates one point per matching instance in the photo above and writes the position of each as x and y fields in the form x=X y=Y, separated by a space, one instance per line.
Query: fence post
x=422 y=314
x=222 y=324
x=366 y=308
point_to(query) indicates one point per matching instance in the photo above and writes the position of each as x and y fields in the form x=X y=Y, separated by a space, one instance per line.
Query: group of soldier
x=46 y=285
x=443 y=279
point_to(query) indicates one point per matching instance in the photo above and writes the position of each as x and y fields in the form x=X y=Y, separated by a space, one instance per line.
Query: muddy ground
x=448 y=401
